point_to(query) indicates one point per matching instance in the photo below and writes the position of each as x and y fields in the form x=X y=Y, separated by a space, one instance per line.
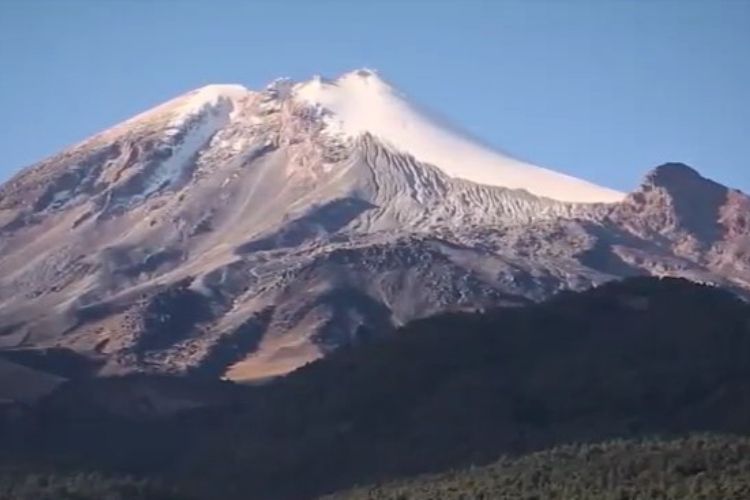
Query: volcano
x=241 y=234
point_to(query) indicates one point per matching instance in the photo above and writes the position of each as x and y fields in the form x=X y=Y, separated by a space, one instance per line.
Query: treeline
x=701 y=467
x=18 y=483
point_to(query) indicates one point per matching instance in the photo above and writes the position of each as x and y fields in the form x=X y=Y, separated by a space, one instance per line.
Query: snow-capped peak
x=207 y=97
x=361 y=102
x=216 y=91
x=182 y=108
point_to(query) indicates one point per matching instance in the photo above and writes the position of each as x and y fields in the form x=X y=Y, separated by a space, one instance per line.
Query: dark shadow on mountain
x=635 y=358
x=356 y=318
x=171 y=315
x=152 y=262
x=322 y=220
x=55 y=360
x=602 y=257
x=234 y=345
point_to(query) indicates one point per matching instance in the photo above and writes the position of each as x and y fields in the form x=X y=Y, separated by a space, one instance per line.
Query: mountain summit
x=242 y=233
x=361 y=102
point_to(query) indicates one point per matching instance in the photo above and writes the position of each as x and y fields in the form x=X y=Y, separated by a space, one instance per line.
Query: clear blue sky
x=600 y=89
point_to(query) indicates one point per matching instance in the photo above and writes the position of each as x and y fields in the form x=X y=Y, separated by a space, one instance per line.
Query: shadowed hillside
x=642 y=357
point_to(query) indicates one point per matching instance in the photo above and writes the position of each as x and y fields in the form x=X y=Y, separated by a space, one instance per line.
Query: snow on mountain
x=209 y=96
x=243 y=233
x=361 y=102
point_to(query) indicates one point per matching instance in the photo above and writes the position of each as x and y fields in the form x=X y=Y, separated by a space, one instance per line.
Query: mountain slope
x=19 y=383
x=638 y=358
x=245 y=233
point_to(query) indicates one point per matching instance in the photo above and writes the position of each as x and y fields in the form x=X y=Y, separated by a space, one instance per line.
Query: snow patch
x=196 y=136
x=60 y=198
x=208 y=97
x=361 y=102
